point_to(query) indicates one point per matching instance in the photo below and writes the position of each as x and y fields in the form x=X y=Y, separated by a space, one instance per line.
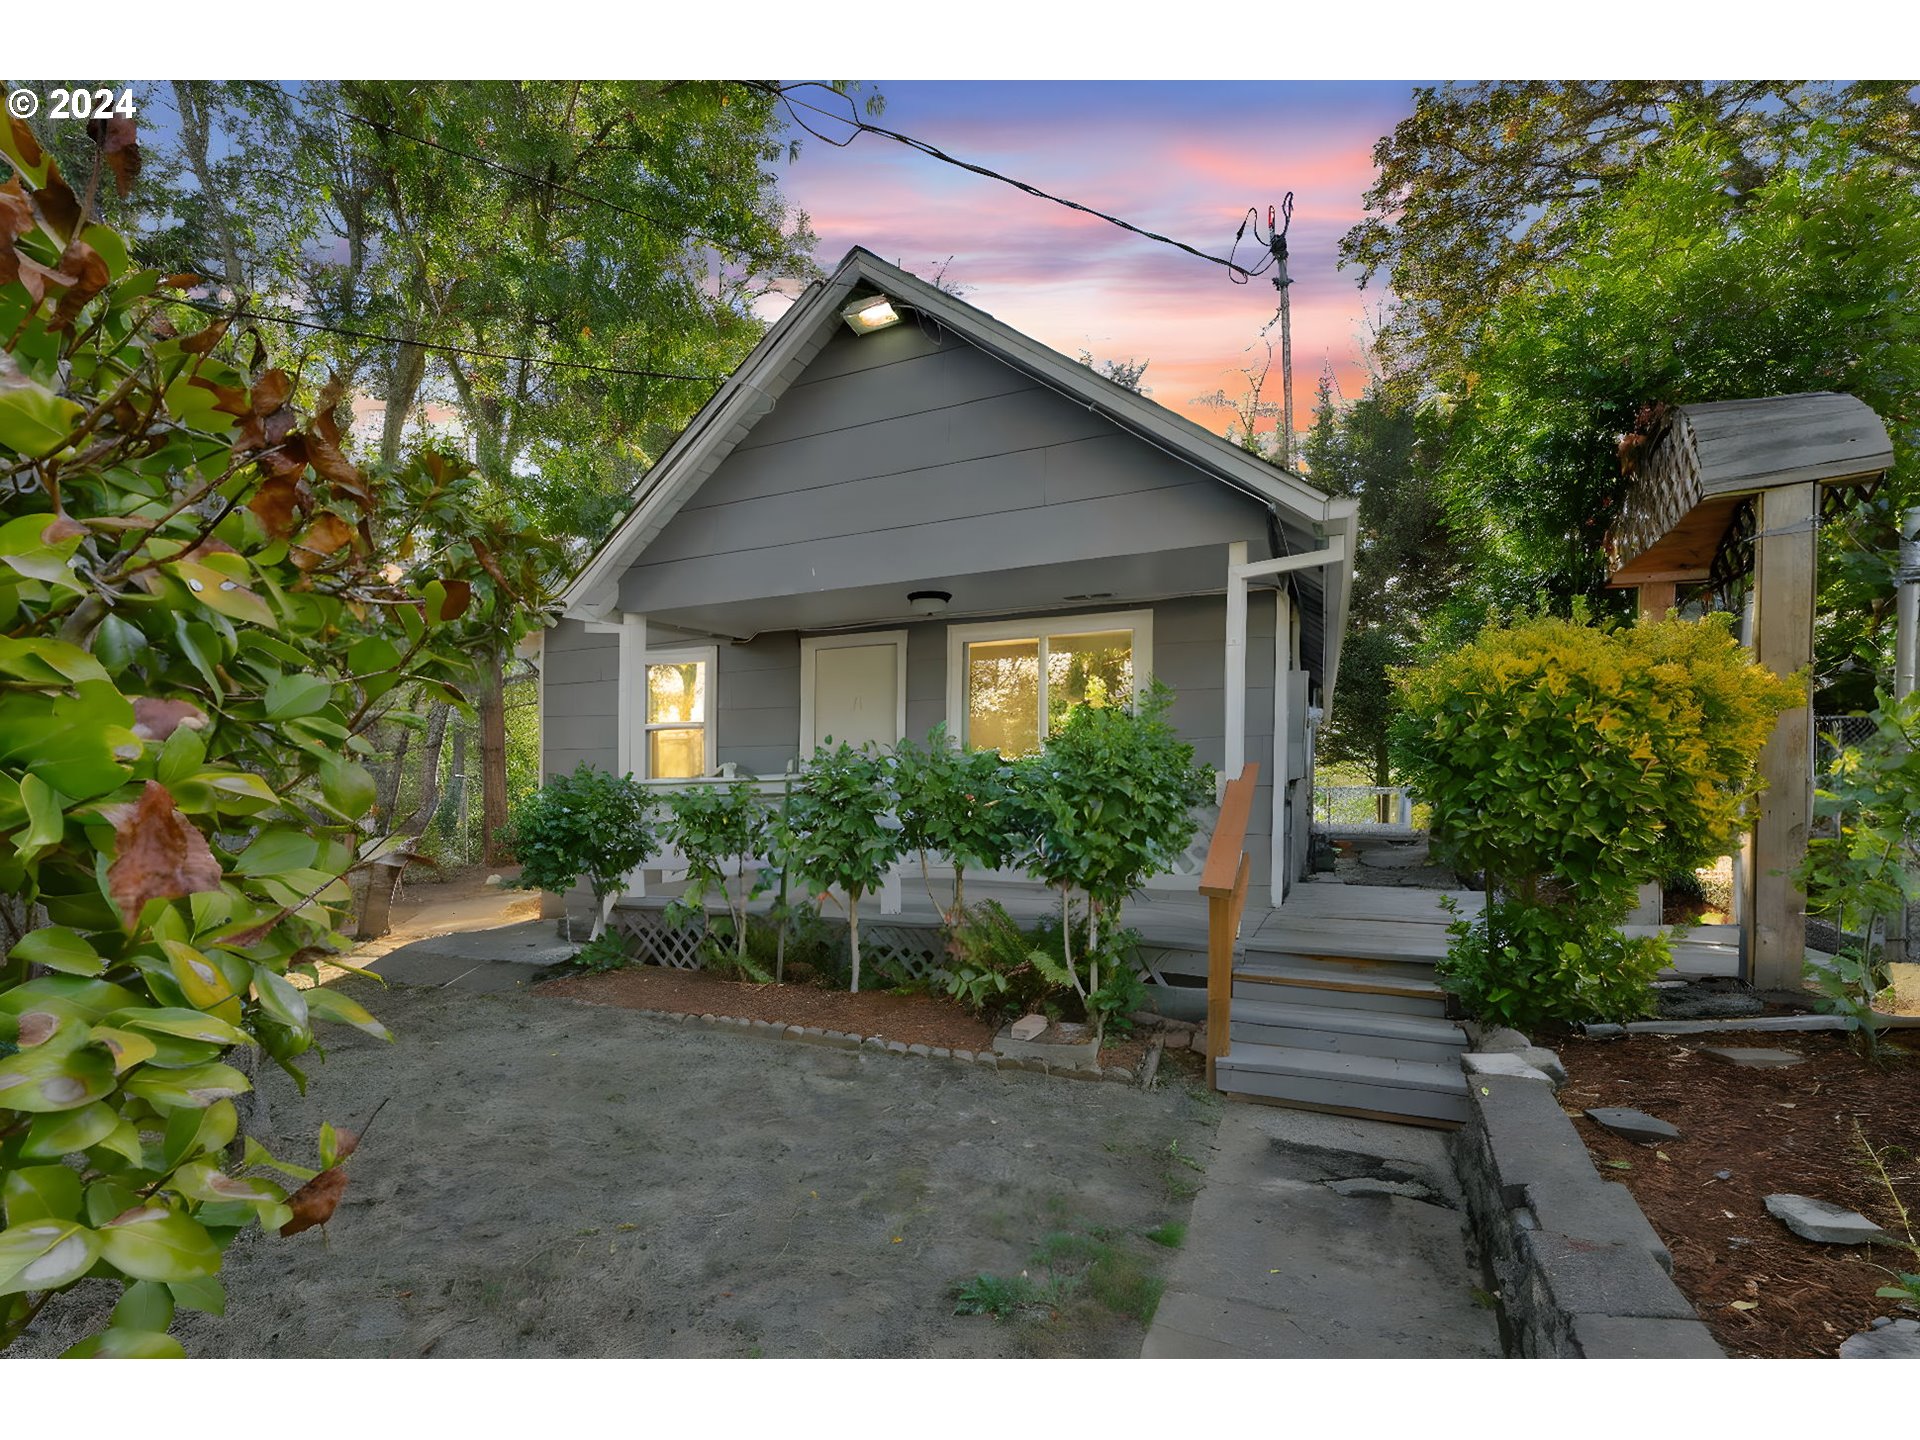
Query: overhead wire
x=1237 y=273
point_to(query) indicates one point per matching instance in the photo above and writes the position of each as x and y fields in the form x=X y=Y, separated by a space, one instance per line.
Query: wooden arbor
x=1721 y=478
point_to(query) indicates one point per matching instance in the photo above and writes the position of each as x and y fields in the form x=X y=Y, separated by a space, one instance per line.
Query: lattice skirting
x=905 y=952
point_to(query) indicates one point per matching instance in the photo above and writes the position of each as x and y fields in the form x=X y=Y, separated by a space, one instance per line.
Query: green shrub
x=1569 y=764
x=606 y=951
x=956 y=803
x=588 y=825
x=718 y=828
x=838 y=829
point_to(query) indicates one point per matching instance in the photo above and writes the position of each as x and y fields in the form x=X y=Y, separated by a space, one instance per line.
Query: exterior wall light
x=928 y=602
x=870 y=313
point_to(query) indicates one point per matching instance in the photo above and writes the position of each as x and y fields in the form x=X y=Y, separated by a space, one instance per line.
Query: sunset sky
x=1183 y=158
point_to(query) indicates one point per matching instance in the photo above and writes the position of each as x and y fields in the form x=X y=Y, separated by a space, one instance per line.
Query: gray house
x=900 y=512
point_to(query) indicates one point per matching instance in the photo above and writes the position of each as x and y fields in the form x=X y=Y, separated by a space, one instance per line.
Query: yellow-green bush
x=1569 y=763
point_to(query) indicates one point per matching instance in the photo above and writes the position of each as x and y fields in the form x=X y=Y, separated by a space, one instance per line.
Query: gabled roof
x=791 y=344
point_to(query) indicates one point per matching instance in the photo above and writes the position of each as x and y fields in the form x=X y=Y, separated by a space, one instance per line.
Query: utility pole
x=1283 y=282
x=1906 y=660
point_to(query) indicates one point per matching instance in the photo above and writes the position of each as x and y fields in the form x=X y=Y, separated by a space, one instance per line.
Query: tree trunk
x=387 y=797
x=853 y=935
x=493 y=758
x=196 y=133
x=377 y=905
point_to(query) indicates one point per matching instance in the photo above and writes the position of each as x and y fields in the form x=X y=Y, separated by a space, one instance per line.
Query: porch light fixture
x=928 y=602
x=870 y=313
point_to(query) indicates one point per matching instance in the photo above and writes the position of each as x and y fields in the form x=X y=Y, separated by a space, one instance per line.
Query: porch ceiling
x=1103 y=584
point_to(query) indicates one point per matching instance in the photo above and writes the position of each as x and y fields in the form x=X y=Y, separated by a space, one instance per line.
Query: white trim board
x=1140 y=622
x=810 y=648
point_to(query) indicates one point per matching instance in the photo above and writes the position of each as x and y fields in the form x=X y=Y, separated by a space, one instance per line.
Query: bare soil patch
x=554 y=1179
x=916 y=1019
x=1788 y=1131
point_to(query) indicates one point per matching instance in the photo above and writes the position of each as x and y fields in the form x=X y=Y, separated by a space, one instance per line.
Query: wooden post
x=1656 y=598
x=1223 y=880
x=1783 y=583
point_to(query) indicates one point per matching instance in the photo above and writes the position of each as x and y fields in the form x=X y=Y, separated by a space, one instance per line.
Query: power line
x=1237 y=273
x=438 y=349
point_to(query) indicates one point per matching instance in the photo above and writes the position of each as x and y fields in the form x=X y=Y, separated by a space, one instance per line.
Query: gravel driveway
x=553 y=1178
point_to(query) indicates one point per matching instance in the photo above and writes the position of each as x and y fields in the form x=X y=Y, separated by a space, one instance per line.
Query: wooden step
x=1350 y=939
x=1419 y=1091
x=1348 y=987
x=1346 y=1031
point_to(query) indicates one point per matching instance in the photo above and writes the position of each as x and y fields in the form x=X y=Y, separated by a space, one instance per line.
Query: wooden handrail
x=1224 y=882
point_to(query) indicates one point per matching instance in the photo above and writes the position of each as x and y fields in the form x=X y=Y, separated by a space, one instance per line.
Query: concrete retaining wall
x=1580 y=1271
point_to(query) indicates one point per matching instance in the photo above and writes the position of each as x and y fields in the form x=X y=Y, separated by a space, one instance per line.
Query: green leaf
x=154 y=1243
x=33 y=420
x=280 y=998
x=145 y=1305
x=24 y=547
x=45 y=1255
x=202 y=1180
x=207 y=1296
x=58 y=948
x=69 y=1132
x=224 y=594
x=46 y=821
x=257 y=1154
x=349 y=788
x=41 y=1192
x=290 y=696
x=117 y=1343
x=276 y=851
x=195 y=1088
x=181 y=757
x=186 y=1024
x=326 y=1004
x=40 y=1082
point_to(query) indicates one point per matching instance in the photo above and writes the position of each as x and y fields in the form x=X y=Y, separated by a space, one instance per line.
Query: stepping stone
x=1887 y=1340
x=1817 y=1220
x=1752 y=1057
x=1028 y=1027
x=1632 y=1124
x=1545 y=1060
x=1502 y=1062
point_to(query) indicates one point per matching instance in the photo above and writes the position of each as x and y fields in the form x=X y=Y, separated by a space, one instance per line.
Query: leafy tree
x=201 y=600
x=958 y=803
x=588 y=825
x=1110 y=800
x=1688 y=287
x=1485 y=187
x=718 y=828
x=839 y=828
x=1406 y=567
x=1126 y=373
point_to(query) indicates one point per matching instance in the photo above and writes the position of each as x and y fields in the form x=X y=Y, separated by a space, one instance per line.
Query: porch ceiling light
x=928 y=602
x=870 y=313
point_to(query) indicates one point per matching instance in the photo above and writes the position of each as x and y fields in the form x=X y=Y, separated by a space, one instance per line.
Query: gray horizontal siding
x=759 y=704
x=581 y=685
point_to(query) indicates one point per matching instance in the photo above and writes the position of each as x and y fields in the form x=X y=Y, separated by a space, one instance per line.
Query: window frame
x=810 y=648
x=707 y=655
x=1038 y=627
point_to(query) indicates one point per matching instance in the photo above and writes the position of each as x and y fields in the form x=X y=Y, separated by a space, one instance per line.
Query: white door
x=856 y=694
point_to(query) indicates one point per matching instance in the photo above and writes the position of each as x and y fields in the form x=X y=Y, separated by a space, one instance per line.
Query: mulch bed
x=914 y=1019
x=1789 y=1130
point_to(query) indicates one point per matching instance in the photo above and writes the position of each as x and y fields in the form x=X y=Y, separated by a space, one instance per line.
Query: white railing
x=1357 y=807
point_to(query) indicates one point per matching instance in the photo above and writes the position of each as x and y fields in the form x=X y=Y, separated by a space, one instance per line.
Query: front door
x=856 y=686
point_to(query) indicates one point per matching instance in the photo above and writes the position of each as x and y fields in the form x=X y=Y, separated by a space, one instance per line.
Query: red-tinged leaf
x=201 y=341
x=326 y=534
x=314 y=1202
x=491 y=565
x=459 y=597
x=16 y=212
x=183 y=281
x=287 y=460
x=159 y=854
x=323 y=445
x=118 y=139
x=61 y=527
x=36 y=1026
x=156 y=719
x=90 y=277
x=276 y=502
x=229 y=399
x=271 y=392
x=57 y=206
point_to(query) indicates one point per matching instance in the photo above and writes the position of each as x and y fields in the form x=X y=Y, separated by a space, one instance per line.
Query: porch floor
x=1320 y=917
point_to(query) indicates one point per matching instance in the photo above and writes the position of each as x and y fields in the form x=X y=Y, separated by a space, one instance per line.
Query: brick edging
x=846 y=1040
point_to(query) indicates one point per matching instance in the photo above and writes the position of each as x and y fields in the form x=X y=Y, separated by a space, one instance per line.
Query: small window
x=678 y=719
x=1007 y=675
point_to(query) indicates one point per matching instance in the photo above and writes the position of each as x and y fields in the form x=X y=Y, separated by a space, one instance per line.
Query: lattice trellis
x=908 y=952
x=657 y=941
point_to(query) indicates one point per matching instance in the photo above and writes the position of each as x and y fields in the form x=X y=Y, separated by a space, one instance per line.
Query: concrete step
x=1279 y=950
x=1346 y=987
x=1347 y=1031
x=1420 y=1091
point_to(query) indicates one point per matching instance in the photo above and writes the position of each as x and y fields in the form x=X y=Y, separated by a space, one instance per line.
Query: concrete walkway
x=506 y=958
x=1319 y=1236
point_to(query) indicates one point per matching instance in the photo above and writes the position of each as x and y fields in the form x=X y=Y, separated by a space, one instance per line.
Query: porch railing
x=1224 y=883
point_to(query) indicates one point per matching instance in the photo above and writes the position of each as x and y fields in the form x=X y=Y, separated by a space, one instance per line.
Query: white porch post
x=1236 y=659
x=1277 y=838
x=631 y=743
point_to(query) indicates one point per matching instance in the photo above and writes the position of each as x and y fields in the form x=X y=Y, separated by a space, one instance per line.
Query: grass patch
x=997 y=1295
x=1171 y=1235
x=1079 y=1266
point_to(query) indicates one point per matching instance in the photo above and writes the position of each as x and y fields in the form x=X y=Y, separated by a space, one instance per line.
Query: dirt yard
x=551 y=1178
